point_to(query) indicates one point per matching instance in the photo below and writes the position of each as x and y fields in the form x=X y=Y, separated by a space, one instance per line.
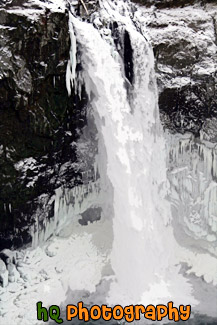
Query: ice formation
x=133 y=139
x=144 y=249
x=71 y=67
x=193 y=174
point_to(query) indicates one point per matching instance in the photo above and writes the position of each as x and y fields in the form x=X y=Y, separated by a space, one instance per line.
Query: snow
x=33 y=13
x=144 y=247
x=49 y=271
x=190 y=27
x=25 y=165
x=53 y=5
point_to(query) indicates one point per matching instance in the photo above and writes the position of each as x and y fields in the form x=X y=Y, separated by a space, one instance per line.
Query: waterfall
x=150 y=194
x=127 y=120
x=139 y=224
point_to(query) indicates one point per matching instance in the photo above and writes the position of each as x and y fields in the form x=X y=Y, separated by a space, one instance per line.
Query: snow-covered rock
x=39 y=121
x=3 y=274
x=2 y=267
x=185 y=46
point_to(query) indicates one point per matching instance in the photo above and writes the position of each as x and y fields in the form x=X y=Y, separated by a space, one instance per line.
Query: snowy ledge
x=34 y=8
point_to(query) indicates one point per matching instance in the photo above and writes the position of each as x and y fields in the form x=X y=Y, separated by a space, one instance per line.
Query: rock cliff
x=183 y=35
x=38 y=120
x=40 y=125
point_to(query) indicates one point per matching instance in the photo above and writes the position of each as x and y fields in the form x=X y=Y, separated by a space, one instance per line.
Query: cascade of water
x=131 y=163
x=128 y=125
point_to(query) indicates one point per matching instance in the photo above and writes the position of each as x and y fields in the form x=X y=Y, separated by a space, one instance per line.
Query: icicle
x=71 y=66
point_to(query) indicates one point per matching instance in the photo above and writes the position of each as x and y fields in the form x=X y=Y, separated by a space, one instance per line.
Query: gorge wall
x=185 y=47
x=39 y=121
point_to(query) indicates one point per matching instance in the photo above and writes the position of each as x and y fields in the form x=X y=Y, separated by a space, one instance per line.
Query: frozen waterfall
x=134 y=158
x=135 y=222
x=154 y=195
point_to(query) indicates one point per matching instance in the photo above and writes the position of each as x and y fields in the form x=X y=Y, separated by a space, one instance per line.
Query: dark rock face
x=185 y=47
x=38 y=121
x=128 y=57
x=187 y=108
x=123 y=45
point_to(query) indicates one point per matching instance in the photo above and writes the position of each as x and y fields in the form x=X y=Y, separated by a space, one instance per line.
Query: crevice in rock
x=128 y=57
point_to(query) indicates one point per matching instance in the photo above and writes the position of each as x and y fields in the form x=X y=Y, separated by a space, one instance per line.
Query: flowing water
x=135 y=253
x=132 y=154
